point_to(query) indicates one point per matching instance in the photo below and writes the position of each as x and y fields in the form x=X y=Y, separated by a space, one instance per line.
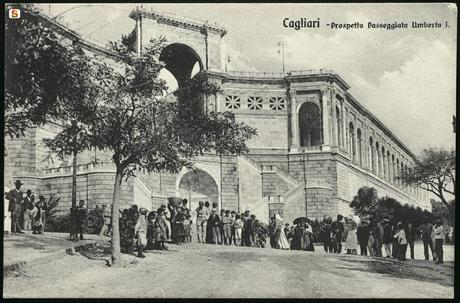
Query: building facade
x=316 y=144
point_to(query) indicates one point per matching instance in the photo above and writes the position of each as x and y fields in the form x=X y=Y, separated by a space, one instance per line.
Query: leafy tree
x=144 y=130
x=36 y=72
x=433 y=172
x=365 y=202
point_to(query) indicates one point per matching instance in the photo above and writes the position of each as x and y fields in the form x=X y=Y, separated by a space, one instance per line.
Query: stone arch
x=309 y=124
x=180 y=60
x=197 y=185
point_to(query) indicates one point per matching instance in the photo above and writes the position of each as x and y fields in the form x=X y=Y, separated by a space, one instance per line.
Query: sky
x=405 y=77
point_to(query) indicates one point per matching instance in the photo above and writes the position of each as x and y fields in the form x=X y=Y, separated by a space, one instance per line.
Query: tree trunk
x=73 y=213
x=116 y=254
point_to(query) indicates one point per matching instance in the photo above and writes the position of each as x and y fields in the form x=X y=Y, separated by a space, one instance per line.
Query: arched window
x=371 y=155
x=377 y=158
x=360 y=147
x=388 y=164
x=310 y=124
x=398 y=172
x=351 y=135
x=338 y=121
x=393 y=169
x=384 y=166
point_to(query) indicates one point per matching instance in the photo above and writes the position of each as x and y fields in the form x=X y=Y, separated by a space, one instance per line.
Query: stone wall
x=96 y=188
x=229 y=185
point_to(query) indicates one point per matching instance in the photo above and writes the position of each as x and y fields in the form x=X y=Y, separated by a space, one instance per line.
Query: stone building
x=316 y=144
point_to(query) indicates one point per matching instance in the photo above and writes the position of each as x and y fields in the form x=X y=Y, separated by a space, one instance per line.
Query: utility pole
x=305 y=184
x=281 y=51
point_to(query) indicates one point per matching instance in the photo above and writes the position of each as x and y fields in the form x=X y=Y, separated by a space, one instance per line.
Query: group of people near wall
x=144 y=230
x=25 y=212
x=228 y=227
x=375 y=237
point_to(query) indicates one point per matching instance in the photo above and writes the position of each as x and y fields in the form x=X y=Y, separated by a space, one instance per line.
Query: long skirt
x=283 y=243
x=352 y=240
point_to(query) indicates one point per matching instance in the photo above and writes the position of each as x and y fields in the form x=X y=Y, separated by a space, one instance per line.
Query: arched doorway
x=310 y=124
x=197 y=185
x=181 y=61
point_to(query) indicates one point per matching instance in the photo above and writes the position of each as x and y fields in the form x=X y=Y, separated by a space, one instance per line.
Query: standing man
x=81 y=216
x=202 y=215
x=233 y=219
x=15 y=201
x=140 y=230
x=28 y=205
x=107 y=220
x=387 y=237
x=410 y=238
x=337 y=229
x=214 y=222
x=426 y=230
x=439 y=235
x=246 y=228
x=227 y=223
x=363 y=236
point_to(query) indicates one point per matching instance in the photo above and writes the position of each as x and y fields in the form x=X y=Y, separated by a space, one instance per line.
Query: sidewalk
x=21 y=249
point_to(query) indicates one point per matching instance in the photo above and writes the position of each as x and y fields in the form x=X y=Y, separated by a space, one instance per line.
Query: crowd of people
x=143 y=230
x=26 y=212
x=375 y=237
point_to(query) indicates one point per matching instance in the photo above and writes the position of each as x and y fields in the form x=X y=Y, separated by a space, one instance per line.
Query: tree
x=365 y=202
x=433 y=172
x=36 y=62
x=144 y=130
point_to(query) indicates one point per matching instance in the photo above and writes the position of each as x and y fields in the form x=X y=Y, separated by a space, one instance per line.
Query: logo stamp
x=14 y=13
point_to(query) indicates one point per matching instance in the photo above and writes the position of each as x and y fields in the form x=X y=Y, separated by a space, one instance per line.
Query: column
x=294 y=122
x=325 y=96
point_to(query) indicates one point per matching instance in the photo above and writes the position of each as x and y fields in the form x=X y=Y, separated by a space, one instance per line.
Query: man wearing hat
x=14 y=206
x=141 y=232
x=202 y=215
x=227 y=223
x=214 y=222
x=81 y=216
x=27 y=206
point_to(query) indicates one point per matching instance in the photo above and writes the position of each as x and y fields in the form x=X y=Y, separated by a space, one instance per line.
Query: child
x=36 y=214
x=187 y=228
x=141 y=232
x=150 y=221
x=238 y=226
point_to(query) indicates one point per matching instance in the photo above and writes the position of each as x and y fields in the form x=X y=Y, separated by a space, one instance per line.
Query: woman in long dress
x=351 y=242
x=283 y=242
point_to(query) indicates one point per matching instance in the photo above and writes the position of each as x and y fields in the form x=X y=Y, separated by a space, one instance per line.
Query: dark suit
x=14 y=205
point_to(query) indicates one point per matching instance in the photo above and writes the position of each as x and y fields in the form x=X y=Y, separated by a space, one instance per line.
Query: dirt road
x=195 y=270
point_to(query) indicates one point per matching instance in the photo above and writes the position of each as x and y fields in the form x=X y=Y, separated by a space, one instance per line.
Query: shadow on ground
x=415 y=270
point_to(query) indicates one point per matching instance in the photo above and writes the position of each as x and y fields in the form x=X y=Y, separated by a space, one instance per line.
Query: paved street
x=195 y=270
